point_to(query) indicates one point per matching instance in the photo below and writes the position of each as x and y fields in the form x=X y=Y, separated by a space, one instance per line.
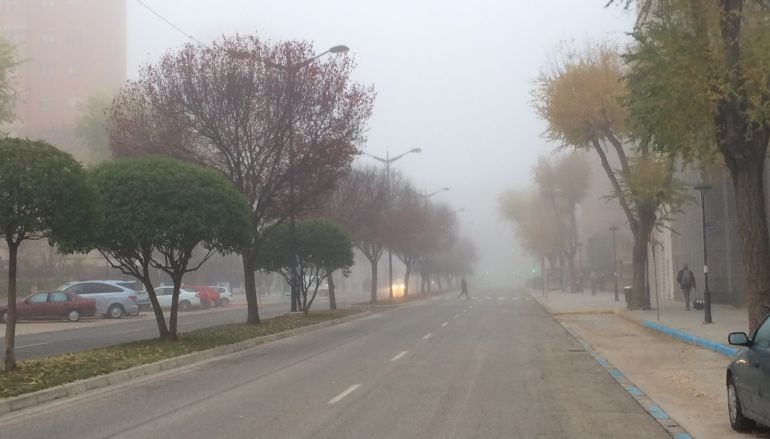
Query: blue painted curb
x=691 y=339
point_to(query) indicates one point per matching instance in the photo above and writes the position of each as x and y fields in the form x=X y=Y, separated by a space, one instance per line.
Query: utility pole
x=615 y=261
x=702 y=188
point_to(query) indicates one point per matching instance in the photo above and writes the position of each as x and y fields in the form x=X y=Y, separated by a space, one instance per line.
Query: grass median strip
x=43 y=373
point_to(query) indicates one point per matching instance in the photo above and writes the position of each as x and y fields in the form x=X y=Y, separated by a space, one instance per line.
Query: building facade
x=70 y=50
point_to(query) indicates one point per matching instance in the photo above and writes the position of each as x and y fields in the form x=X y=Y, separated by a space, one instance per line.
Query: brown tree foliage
x=359 y=203
x=282 y=129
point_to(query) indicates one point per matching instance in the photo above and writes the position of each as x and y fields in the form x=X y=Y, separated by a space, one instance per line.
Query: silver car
x=114 y=298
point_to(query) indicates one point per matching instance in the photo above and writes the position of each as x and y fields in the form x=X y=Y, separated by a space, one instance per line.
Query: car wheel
x=184 y=305
x=115 y=311
x=737 y=421
x=224 y=301
x=73 y=315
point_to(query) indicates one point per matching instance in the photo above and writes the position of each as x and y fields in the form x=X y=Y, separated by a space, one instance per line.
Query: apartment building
x=71 y=50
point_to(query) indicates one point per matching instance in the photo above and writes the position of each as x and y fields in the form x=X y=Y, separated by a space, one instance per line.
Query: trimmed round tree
x=320 y=247
x=43 y=195
x=167 y=214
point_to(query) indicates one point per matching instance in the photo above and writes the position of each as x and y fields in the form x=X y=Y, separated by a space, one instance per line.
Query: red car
x=52 y=305
x=209 y=296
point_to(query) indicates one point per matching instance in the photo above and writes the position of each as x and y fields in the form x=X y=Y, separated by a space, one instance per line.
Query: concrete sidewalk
x=685 y=380
x=671 y=314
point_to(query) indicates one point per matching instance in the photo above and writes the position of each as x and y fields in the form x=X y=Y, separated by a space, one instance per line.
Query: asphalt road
x=494 y=367
x=128 y=329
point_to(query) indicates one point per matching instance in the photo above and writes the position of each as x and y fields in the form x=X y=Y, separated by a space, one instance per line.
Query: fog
x=452 y=78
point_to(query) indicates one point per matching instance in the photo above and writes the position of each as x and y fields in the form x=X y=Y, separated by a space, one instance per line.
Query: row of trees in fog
x=545 y=216
x=691 y=89
x=215 y=148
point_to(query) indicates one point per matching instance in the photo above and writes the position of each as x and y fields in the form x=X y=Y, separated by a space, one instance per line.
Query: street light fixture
x=387 y=161
x=443 y=189
x=702 y=188
x=615 y=261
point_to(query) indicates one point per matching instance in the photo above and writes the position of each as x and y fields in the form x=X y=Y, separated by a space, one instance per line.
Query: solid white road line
x=426 y=336
x=444 y=324
x=342 y=395
x=399 y=356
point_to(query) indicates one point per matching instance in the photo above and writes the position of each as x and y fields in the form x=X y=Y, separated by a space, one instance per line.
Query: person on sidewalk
x=463 y=289
x=686 y=280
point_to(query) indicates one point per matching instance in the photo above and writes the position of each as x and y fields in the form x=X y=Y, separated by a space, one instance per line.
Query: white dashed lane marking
x=426 y=336
x=399 y=356
x=342 y=395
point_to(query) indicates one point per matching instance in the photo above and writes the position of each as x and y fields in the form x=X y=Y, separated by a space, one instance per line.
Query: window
x=47 y=38
x=39 y=298
x=46 y=70
x=98 y=288
x=74 y=38
x=77 y=289
x=58 y=297
x=131 y=285
x=46 y=104
x=72 y=69
x=163 y=291
x=762 y=336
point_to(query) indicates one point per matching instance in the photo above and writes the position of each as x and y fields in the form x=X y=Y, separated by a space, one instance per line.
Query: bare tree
x=359 y=204
x=282 y=139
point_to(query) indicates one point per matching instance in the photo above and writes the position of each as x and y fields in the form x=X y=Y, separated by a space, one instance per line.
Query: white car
x=225 y=295
x=187 y=299
x=114 y=298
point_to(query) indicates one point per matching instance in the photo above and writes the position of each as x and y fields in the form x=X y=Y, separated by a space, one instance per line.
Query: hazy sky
x=452 y=77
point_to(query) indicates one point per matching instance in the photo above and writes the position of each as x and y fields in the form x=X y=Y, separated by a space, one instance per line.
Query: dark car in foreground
x=748 y=379
x=52 y=305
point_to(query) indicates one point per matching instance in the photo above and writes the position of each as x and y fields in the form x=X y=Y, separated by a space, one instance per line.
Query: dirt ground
x=686 y=381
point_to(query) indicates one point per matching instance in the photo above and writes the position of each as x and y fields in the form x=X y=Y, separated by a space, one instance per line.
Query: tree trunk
x=571 y=272
x=373 y=295
x=160 y=319
x=755 y=244
x=330 y=282
x=407 y=274
x=639 y=297
x=9 y=359
x=250 y=288
x=172 y=319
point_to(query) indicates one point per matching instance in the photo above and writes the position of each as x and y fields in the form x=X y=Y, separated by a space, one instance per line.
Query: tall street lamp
x=615 y=261
x=443 y=189
x=291 y=71
x=702 y=188
x=387 y=161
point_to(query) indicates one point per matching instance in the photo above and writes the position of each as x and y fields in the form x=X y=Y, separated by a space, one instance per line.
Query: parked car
x=114 y=299
x=748 y=379
x=209 y=296
x=52 y=305
x=187 y=299
x=225 y=295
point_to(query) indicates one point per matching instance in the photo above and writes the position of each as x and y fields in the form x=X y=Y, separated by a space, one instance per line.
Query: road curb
x=671 y=426
x=15 y=403
x=691 y=339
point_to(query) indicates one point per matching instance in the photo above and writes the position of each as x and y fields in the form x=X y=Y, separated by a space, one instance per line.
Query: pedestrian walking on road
x=686 y=280
x=463 y=289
